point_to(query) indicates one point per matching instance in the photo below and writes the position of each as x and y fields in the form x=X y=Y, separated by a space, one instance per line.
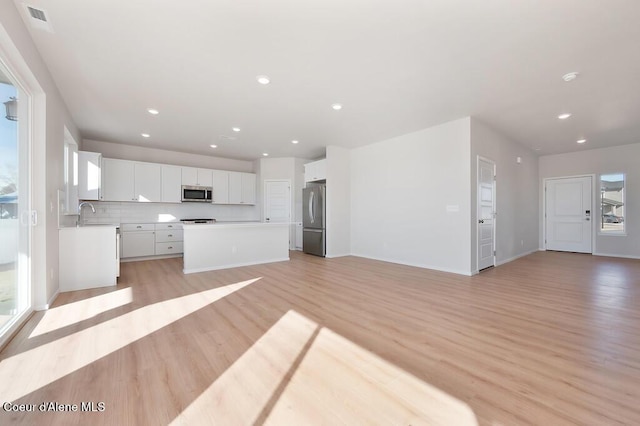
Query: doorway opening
x=15 y=204
x=486 y=226
x=277 y=204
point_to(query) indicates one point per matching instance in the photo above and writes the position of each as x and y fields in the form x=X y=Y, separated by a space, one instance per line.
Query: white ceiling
x=396 y=66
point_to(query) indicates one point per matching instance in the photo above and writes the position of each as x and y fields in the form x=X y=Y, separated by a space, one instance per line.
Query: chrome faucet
x=80 y=206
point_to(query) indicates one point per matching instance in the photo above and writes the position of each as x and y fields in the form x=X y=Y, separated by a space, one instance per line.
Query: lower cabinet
x=168 y=238
x=138 y=239
x=149 y=239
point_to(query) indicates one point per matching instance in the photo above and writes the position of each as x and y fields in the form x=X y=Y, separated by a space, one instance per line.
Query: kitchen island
x=208 y=247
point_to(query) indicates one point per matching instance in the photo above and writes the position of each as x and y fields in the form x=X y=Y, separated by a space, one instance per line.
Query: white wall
x=152 y=155
x=338 y=202
x=297 y=200
x=400 y=189
x=619 y=159
x=50 y=116
x=516 y=193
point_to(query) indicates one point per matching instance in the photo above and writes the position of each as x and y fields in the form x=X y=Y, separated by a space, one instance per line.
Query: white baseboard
x=624 y=256
x=511 y=259
x=337 y=255
x=137 y=259
x=49 y=302
x=417 y=265
x=235 y=265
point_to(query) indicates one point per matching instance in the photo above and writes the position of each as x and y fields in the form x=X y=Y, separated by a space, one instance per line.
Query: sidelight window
x=612 y=203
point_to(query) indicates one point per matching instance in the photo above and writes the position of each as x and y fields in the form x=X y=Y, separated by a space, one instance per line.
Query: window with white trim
x=612 y=203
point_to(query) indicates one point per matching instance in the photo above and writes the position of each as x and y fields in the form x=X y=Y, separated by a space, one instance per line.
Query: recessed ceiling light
x=265 y=154
x=581 y=140
x=145 y=135
x=536 y=149
x=570 y=76
x=213 y=146
x=153 y=111
x=235 y=129
x=564 y=116
x=263 y=79
x=294 y=142
x=336 y=106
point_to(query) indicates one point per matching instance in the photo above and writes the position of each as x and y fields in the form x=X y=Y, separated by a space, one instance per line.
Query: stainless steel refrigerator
x=313 y=221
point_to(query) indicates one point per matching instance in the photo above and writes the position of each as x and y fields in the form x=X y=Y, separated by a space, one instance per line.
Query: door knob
x=481 y=221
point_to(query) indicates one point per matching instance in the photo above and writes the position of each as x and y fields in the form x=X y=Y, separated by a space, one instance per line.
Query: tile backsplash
x=116 y=212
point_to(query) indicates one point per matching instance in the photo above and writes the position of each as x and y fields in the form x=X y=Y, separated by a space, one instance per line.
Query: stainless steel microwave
x=201 y=194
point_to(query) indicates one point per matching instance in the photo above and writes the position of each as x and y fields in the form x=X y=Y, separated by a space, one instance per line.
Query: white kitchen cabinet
x=168 y=238
x=315 y=171
x=89 y=175
x=220 y=187
x=124 y=180
x=242 y=188
x=197 y=177
x=248 y=188
x=88 y=257
x=117 y=180
x=138 y=240
x=147 y=182
x=171 y=184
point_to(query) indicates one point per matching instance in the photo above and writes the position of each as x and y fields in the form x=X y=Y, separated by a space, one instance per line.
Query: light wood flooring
x=549 y=339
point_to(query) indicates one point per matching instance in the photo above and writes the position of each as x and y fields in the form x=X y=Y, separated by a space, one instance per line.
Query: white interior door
x=277 y=201
x=486 y=213
x=568 y=215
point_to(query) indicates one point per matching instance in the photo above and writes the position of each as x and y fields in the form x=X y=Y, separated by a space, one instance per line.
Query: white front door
x=568 y=215
x=486 y=213
x=277 y=201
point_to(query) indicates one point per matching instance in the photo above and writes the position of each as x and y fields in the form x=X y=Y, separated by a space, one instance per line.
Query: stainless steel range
x=192 y=221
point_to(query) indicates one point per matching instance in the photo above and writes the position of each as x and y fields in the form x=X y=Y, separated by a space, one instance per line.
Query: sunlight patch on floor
x=54 y=360
x=238 y=396
x=298 y=373
x=342 y=383
x=75 y=312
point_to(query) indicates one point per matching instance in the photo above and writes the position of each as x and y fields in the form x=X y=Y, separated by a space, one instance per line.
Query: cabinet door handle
x=139 y=227
x=170 y=235
x=170 y=247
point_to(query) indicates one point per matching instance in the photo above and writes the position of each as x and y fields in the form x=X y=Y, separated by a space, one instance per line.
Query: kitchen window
x=612 y=204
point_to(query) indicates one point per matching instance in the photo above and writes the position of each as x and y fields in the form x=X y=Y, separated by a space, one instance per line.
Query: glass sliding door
x=15 y=283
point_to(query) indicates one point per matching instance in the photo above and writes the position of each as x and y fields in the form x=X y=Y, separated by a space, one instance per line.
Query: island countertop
x=212 y=246
x=232 y=224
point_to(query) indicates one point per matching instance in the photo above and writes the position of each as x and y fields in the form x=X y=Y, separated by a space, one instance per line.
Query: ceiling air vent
x=37 y=14
x=37 y=18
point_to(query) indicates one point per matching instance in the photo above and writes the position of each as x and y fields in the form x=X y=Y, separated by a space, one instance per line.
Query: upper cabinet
x=220 y=187
x=171 y=183
x=124 y=180
x=315 y=171
x=242 y=188
x=131 y=181
x=89 y=175
x=197 y=177
x=147 y=182
x=117 y=178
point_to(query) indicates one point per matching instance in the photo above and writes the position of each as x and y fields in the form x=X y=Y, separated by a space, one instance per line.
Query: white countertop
x=232 y=225
x=92 y=225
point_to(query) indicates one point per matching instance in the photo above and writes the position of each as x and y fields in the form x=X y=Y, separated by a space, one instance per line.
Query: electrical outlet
x=522 y=242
